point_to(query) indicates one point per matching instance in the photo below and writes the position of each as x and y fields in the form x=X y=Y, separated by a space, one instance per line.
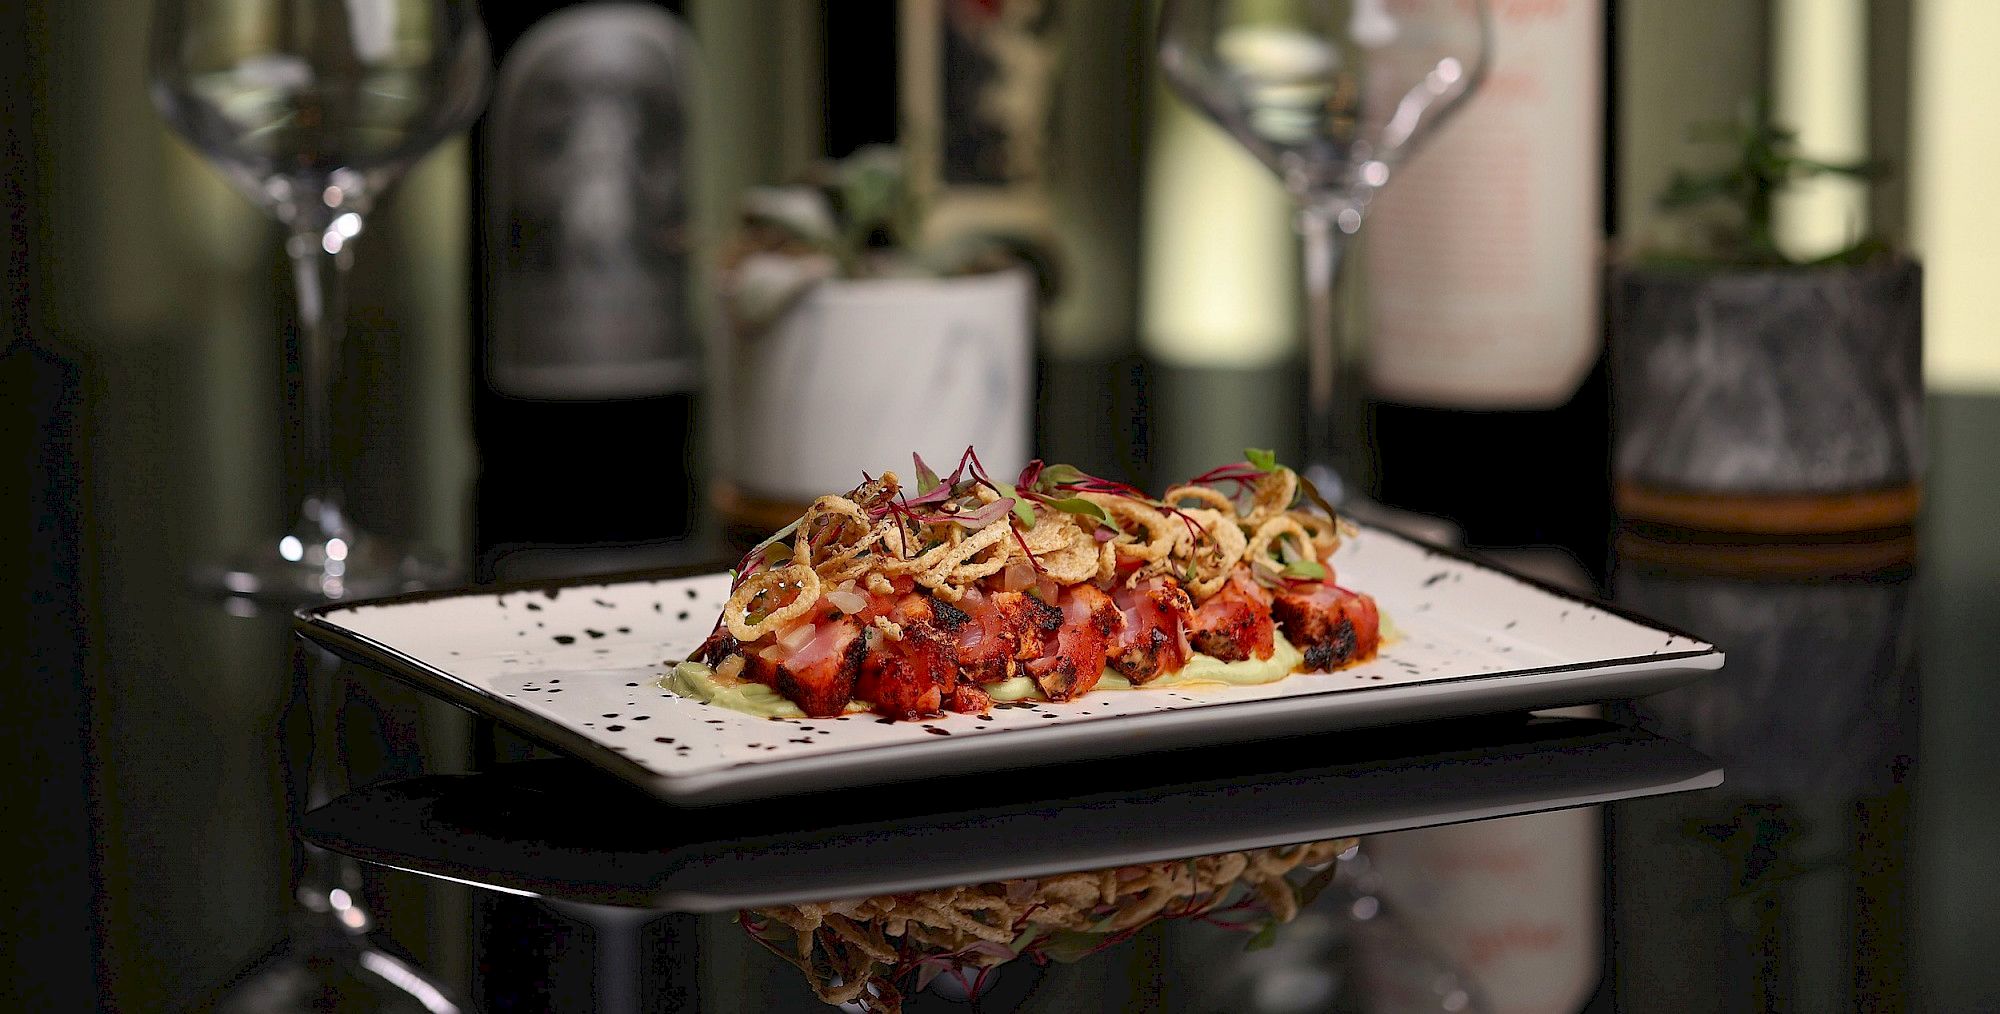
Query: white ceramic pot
x=862 y=372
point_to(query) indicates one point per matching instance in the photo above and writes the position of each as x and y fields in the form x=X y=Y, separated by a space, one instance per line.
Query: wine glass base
x=293 y=570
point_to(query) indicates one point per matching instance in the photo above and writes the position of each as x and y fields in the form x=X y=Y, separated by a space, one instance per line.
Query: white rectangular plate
x=577 y=666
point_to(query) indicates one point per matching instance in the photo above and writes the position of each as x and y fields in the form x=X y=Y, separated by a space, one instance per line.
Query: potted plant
x=1753 y=392
x=857 y=340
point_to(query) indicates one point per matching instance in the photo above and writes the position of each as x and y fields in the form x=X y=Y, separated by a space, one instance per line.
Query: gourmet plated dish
x=865 y=952
x=964 y=591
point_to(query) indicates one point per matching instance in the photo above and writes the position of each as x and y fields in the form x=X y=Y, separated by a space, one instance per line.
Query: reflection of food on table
x=860 y=950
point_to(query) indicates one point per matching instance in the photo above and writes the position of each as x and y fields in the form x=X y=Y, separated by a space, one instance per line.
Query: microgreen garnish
x=1262 y=460
x=1305 y=570
x=927 y=479
x=1086 y=508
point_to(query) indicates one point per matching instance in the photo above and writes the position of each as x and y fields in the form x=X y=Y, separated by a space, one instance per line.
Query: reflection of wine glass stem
x=1321 y=230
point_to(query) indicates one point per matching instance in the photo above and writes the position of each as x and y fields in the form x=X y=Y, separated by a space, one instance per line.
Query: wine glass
x=1332 y=96
x=314 y=108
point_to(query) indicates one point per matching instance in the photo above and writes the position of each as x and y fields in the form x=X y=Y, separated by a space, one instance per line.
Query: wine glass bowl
x=288 y=98
x=1331 y=96
x=313 y=109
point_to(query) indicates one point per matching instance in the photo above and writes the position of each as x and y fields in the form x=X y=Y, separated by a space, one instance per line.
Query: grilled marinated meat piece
x=1331 y=625
x=1234 y=623
x=818 y=676
x=1072 y=660
x=1154 y=639
x=908 y=676
x=968 y=700
x=999 y=630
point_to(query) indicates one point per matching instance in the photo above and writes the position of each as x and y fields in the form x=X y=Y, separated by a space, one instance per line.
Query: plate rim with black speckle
x=700 y=755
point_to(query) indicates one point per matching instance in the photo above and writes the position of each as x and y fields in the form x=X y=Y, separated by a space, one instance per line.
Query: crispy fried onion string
x=1161 y=531
x=1215 y=499
x=1277 y=528
x=1272 y=496
x=764 y=585
x=875 y=539
x=1204 y=565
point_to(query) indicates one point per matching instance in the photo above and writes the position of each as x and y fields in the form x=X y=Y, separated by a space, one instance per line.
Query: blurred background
x=145 y=369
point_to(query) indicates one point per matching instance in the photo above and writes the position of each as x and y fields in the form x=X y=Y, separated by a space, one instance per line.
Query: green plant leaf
x=1056 y=475
x=1078 y=505
x=1261 y=459
x=1264 y=937
x=1305 y=570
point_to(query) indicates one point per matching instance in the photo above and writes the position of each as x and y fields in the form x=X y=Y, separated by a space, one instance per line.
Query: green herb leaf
x=1056 y=475
x=1261 y=459
x=927 y=479
x=1313 y=494
x=1070 y=946
x=1025 y=511
x=1305 y=570
x=1078 y=505
x=1264 y=938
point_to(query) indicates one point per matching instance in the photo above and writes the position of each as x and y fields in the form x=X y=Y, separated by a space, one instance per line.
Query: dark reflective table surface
x=154 y=744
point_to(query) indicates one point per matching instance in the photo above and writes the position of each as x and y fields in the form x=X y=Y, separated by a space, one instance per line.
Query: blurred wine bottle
x=1484 y=268
x=587 y=359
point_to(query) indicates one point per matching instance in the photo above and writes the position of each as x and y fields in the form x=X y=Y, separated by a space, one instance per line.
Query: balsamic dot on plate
x=754 y=746
x=534 y=607
x=986 y=718
x=611 y=714
x=682 y=615
x=556 y=690
x=624 y=630
x=935 y=731
x=640 y=718
x=663 y=739
x=594 y=634
x=603 y=604
x=690 y=593
x=565 y=639
x=631 y=684
x=552 y=593
x=656 y=607
x=885 y=721
x=715 y=721
x=614 y=728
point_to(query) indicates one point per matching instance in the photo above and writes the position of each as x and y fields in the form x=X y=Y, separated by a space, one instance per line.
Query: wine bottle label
x=1483 y=252
x=586 y=212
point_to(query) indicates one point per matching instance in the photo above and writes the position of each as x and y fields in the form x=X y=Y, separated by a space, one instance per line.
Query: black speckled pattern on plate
x=589 y=658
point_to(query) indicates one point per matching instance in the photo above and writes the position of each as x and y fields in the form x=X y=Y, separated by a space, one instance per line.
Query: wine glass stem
x=1320 y=232
x=320 y=257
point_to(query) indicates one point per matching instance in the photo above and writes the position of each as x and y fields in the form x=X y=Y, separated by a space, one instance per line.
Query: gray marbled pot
x=1768 y=382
